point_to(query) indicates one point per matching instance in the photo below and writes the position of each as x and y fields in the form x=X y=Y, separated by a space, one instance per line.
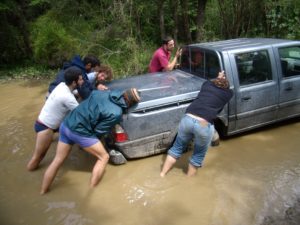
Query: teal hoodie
x=97 y=114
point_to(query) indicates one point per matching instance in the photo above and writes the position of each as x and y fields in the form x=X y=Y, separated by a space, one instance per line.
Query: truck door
x=256 y=87
x=289 y=75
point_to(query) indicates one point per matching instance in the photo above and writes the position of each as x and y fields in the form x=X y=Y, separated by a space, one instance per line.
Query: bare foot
x=192 y=170
x=42 y=192
x=32 y=165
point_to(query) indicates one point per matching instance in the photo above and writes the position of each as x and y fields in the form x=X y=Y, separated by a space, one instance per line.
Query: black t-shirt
x=210 y=101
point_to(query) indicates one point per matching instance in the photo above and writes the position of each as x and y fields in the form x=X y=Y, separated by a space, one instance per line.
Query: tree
x=186 y=23
x=200 y=18
x=160 y=7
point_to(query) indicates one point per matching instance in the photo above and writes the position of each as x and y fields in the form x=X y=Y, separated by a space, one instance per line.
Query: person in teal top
x=93 y=118
x=96 y=115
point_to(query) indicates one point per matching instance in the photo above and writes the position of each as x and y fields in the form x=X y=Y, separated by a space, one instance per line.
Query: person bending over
x=87 y=65
x=60 y=102
x=102 y=75
x=85 y=125
x=197 y=123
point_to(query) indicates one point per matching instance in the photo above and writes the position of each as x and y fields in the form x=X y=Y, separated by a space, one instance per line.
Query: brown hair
x=107 y=70
x=221 y=83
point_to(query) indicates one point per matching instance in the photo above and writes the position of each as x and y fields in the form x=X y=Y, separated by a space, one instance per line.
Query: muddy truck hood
x=158 y=89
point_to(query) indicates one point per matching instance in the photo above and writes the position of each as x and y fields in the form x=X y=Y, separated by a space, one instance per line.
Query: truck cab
x=264 y=74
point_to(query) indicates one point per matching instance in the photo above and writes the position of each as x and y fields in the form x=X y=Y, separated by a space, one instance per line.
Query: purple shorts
x=68 y=137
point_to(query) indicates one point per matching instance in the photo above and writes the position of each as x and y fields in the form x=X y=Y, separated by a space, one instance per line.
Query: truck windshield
x=201 y=63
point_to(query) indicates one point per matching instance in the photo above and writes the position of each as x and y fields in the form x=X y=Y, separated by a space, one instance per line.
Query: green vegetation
x=26 y=71
x=37 y=36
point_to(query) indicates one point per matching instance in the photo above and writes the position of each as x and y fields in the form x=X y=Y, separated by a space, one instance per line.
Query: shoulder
x=160 y=51
x=208 y=84
x=62 y=87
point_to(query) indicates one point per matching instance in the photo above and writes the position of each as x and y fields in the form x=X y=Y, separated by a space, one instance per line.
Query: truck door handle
x=288 y=88
x=246 y=98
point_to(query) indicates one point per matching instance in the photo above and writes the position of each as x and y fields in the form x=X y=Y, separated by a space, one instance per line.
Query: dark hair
x=166 y=40
x=93 y=60
x=72 y=74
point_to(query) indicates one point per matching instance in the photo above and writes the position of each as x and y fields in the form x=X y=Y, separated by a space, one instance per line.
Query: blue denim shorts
x=190 y=128
x=68 y=137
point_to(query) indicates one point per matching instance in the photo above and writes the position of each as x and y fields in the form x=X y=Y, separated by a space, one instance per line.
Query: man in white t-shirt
x=59 y=103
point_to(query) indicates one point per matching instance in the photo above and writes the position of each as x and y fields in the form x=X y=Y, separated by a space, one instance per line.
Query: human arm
x=85 y=89
x=105 y=124
x=100 y=86
x=71 y=102
x=173 y=63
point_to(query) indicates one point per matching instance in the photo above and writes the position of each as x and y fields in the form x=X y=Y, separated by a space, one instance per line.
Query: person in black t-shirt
x=197 y=123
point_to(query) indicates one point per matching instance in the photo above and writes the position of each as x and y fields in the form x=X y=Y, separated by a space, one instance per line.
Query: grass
x=26 y=72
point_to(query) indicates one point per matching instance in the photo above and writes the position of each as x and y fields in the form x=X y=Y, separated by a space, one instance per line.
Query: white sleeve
x=91 y=76
x=71 y=102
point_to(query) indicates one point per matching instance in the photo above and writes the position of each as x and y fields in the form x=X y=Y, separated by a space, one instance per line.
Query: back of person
x=57 y=102
x=197 y=124
x=85 y=119
x=59 y=77
x=86 y=65
x=210 y=101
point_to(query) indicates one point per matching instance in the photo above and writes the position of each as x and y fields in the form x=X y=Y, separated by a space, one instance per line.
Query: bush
x=52 y=44
x=123 y=53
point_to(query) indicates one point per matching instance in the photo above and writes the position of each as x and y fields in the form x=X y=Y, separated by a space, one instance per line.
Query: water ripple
x=281 y=197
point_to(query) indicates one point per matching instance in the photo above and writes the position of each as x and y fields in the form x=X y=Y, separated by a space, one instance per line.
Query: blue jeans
x=190 y=128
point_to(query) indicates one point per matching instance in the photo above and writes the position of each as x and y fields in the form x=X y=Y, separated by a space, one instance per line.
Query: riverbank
x=26 y=72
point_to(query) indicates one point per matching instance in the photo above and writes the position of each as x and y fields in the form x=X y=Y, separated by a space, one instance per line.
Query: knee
x=105 y=158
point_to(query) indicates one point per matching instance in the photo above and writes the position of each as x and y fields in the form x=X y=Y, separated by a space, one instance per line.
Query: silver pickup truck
x=264 y=75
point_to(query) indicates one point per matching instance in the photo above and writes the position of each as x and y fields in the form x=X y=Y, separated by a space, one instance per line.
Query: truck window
x=290 y=61
x=200 y=63
x=185 y=60
x=253 y=67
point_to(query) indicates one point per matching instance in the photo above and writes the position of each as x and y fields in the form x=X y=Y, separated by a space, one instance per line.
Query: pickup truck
x=264 y=75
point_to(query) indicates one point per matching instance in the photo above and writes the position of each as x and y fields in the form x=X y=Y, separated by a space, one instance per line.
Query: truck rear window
x=201 y=63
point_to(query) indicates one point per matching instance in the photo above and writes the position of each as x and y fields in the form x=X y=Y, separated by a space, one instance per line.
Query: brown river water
x=252 y=178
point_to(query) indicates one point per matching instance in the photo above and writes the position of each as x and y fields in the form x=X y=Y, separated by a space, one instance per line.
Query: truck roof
x=243 y=43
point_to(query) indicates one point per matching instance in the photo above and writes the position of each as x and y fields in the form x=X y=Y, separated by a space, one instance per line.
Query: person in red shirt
x=160 y=61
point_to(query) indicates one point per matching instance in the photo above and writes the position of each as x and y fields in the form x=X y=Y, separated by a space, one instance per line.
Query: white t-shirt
x=59 y=103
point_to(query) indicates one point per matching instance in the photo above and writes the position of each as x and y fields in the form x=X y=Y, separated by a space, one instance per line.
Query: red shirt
x=159 y=61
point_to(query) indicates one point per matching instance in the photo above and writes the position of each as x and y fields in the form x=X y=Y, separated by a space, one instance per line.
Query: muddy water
x=249 y=179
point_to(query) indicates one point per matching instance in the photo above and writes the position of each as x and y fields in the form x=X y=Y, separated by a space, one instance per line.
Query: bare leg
x=192 y=170
x=43 y=141
x=62 y=152
x=170 y=161
x=99 y=151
